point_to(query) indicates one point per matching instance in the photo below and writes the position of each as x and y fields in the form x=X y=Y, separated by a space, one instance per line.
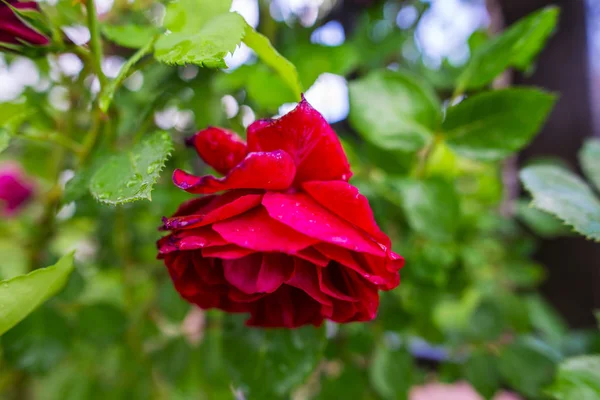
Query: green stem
x=95 y=42
x=92 y=137
x=63 y=141
x=108 y=94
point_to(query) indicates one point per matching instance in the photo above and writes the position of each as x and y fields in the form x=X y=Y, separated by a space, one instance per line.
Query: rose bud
x=15 y=30
x=15 y=190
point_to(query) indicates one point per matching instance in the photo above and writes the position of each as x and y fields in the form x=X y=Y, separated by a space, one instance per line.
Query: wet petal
x=192 y=239
x=227 y=252
x=259 y=170
x=256 y=230
x=210 y=209
x=345 y=201
x=219 y=148
x=307 y=137
x=304 y=215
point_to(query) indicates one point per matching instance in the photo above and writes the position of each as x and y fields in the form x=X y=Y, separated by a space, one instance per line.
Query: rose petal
x=332 y=282
x=348 y=260
x=345 y=201
x=259 y=170
x=288 y=307
x=304 y=215
x=305 y=278
x=307 y=137
x=256 y=230
x=313 y=256
x=276 y=268
x=192 y=239
x=219 y=148
x=210 y=209
x=242 y=273
x=227 y=252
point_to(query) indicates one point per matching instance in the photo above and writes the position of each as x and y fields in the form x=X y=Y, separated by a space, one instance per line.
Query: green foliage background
x=427 y=148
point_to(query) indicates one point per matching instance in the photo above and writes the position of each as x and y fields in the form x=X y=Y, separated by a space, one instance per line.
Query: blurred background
x=121 y=303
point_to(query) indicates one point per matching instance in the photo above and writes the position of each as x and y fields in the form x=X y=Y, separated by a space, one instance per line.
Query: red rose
x=290 y=241
x=13 y=28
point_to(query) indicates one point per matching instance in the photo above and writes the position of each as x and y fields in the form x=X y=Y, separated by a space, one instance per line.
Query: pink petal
x=304 y=215
x=210 y=209
x=219 y=148
x=256 y=230
x=307 y=137
x=259 y=170
x=345 y=201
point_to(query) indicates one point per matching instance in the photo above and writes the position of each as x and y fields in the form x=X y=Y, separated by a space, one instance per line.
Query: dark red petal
x=332 y=281
x=345 y=201
x=227 y=252
x=256 y=230
x=288 y=307
x=311 y=255
x=305 y=278
x=192 y=239
x=259 y=170
x=349 y=260
x=210 y=209
x=305 y=215
x=307 y=137
x=242 y=273
x=276 y=268
x=219 y=148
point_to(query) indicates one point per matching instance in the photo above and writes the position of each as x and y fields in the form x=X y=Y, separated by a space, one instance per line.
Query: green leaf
x=431 y=207
x=589 y=157
x=270 y=56
x=38 y=343
x=541 y=223
x=270 y=361
x=577 y=378
x=170 y=303
x=482 y=372
x=131 y=175
x=516 y=47
x=391 y=372
x=546 y=320
x=173 y=359
x=312 y=60
x=492 y=125
x=201 y=32
x=21 y=295
x=130 y=35
x=394 y=110
x=101 y=323
x=526 y=368
x=563 y=194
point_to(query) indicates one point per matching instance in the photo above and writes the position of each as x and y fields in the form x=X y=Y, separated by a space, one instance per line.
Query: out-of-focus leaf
x=517 y=47
x=4 y=140
x=267 y=89
x=454 y=315
x=493 y=125
x=271 y=57
x=101 y=324
x=482 y=372
x=270 y=361
x=38 y=343
x=312 y=60
x=350 y=384
x=577 y=378
x=563 y=194
x=201 y=32
x=130 y=36
x=21 y=295
x=173 y=359
x=546 y=321
x=131 y=175
x=541 y=223
x=431 y=207
x=589 y=157
x=394 y=110
x=390 y=373
x=526 y=368
x=170 y=302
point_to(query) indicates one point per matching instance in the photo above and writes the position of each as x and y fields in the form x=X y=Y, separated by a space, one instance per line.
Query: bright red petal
x=304 y=215
x=259 y=170
x=210 y=209
x=193 y=239
x=307 y=137
x=219 y=148
x=344 y=200
x=256 y=230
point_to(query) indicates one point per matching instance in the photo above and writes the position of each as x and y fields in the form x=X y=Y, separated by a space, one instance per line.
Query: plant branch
x=95 y=42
